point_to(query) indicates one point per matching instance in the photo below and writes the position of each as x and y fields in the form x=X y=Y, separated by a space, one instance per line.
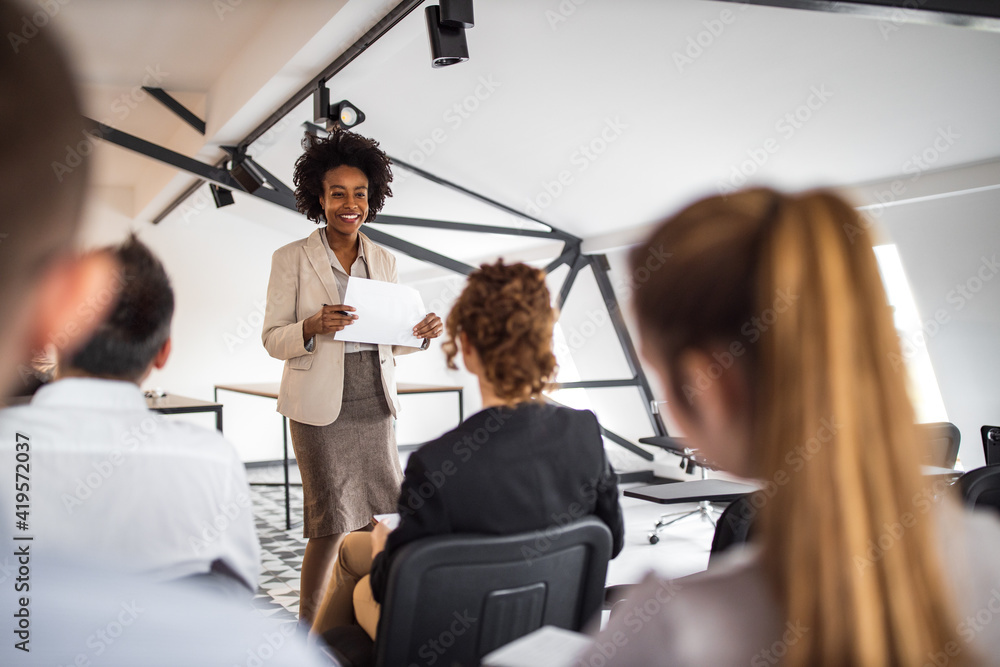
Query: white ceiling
x=684 y=130
x=556 y=85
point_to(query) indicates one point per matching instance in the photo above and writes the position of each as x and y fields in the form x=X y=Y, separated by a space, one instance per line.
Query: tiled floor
x=281 y=551
x=683 y=548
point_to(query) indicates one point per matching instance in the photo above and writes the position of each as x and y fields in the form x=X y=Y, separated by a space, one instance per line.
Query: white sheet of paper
x=547 y=646
x=386 y=312
x=391 y=520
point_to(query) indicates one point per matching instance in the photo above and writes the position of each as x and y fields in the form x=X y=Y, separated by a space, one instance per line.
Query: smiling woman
x=339 y=397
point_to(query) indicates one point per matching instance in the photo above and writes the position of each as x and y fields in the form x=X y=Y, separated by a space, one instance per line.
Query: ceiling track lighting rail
x=395 y=15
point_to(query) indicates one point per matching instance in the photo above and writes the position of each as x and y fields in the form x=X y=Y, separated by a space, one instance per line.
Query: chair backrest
x=452 y=599
x=940 y=441
x=733 y=526
x=991 y=444
x=981 y=487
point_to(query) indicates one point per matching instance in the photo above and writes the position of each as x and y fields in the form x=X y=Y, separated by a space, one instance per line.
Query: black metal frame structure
x=978 y=14
x=572 y=256
x=182 y=112
x=276 y=192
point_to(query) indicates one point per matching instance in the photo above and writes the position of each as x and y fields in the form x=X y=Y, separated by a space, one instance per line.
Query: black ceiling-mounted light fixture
x=247 y=173
x=446 y=24
x=343 y=114
x=346 y=114
x=312 y=132
x=222 y=196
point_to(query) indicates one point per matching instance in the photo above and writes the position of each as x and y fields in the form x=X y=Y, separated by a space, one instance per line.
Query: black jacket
x=502 y=471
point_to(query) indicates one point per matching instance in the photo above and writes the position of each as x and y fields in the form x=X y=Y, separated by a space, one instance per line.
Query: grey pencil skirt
x=350 y=468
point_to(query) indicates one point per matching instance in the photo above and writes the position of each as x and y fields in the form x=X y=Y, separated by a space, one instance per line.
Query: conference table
x=270 y=390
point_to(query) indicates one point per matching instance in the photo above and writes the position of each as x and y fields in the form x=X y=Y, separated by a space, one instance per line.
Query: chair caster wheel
x=654 y=538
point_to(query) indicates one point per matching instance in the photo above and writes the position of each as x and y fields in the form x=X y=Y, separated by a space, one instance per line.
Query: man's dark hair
x=340 y=149
x=124 y=345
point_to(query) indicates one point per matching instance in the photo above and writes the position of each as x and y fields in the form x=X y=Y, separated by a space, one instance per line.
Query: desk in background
x=168 y=404
x=270 y=390
x=172 y=404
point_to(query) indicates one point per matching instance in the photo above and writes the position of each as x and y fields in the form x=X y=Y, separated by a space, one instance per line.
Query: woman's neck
x=341 y=243
x=490 y=399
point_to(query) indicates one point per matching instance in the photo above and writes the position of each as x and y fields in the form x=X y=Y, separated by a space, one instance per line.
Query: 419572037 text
x=22 y=542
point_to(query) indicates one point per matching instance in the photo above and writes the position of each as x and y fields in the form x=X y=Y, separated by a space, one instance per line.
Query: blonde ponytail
x=833 y=427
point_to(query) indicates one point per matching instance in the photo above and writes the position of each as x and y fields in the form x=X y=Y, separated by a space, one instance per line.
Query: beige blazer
x=312 y=383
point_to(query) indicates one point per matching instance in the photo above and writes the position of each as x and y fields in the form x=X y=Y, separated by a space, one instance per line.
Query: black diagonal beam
x=282 y=197
x=574 y=270
x=418 y=252
x=622 y=442
x=594 y=384
x=565 y=236
x=404 y=221
x=599 y=267
x=208 y=172
x=169 y=101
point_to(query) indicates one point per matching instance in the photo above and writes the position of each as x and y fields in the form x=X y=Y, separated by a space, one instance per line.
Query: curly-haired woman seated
x=515 y=466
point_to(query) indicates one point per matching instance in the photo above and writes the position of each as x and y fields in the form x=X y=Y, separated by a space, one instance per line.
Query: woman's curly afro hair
x=506 y=312
x=339 y=149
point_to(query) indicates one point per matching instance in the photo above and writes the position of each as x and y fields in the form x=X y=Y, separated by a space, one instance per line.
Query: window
x=922 y=382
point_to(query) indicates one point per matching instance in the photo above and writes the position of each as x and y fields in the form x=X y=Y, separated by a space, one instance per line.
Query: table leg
x=461 y=408
x=284 y=435
x=218 y=418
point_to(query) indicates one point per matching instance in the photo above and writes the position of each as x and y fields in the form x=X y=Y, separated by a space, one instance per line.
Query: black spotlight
x=342 y=114
x=246 y=173
x=448 y=45
x=346 y=114
x=222 y=196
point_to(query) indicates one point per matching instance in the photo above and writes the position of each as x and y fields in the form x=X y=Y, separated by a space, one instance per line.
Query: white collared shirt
x=358 y=270
x=112 y=482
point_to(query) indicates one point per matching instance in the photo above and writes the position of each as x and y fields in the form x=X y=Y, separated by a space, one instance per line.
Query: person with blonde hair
x=520 y=464
x=855 y=559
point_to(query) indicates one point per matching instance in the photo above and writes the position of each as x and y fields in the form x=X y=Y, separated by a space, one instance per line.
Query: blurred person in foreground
x=46 y=288
x=57 y=611
x=856 y=559
x=124 y=486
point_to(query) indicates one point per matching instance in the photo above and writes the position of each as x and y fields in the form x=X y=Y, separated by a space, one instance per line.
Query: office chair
x=734 y=526
x=981 y=487
x=455 y=598
x=991 y=444
x=690 y=459
x=941 y=441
